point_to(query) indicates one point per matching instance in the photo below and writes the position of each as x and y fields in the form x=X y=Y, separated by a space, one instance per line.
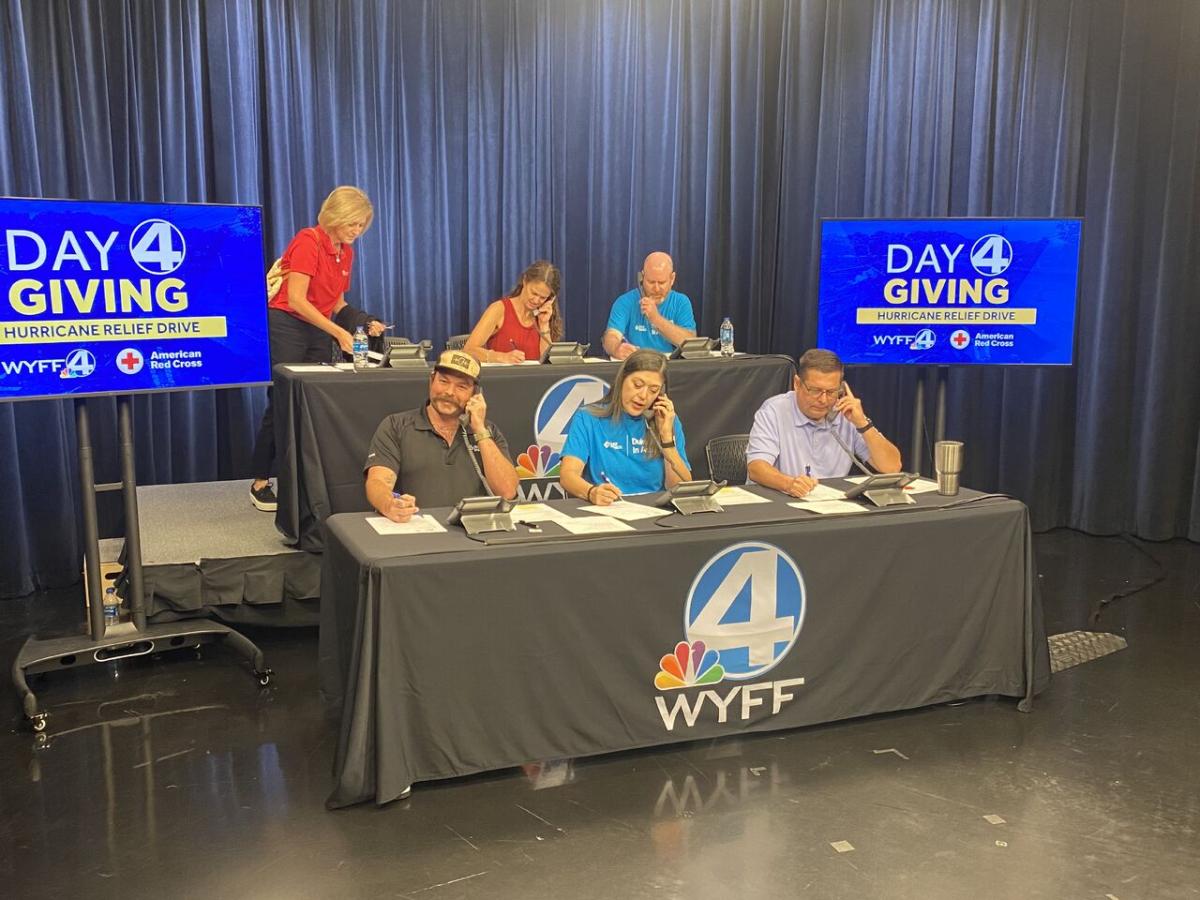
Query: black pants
x=292 y=341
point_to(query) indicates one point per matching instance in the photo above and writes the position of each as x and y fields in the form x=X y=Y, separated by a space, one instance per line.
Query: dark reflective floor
x=181 y=778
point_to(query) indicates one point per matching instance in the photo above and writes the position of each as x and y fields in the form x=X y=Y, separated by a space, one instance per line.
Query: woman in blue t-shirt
x=628 y=443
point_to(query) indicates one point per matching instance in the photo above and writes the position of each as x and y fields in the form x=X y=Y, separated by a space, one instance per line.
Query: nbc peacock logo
x=690 y=665
x=538 y=462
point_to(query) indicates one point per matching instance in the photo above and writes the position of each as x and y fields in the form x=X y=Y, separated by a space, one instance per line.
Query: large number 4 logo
x=748 y=603
x=157 y=247
x=991 y=255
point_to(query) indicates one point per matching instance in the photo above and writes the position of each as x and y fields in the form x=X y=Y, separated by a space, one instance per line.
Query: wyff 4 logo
x=744 y=612
x=554 y=411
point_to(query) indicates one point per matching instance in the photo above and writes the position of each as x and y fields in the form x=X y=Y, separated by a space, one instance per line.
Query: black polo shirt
x=435 y=473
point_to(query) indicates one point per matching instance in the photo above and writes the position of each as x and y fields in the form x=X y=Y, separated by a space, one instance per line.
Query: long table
x=451 y=656
x=325 y=418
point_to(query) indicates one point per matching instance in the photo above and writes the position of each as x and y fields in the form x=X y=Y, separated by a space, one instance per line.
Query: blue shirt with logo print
x=627 y=319
x=615 y=451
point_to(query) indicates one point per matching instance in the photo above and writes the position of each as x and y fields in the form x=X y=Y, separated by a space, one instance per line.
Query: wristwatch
x=666 y=445
x=867 y=426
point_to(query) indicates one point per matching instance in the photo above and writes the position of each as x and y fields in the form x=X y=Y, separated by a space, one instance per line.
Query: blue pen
x=808 y=471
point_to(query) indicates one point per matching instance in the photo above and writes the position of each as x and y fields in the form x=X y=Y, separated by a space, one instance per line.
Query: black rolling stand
x=918 y=423
x=134 y=638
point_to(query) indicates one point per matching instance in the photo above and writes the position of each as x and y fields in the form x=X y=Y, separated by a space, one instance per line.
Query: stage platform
x=207 y=551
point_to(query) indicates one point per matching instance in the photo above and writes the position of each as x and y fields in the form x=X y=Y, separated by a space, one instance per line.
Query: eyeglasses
x=817 y=393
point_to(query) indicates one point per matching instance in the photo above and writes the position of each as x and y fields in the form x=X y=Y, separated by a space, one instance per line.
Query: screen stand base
x=104 y=643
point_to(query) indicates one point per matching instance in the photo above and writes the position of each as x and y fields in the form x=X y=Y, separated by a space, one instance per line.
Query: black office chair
x=727 y=458
x=456 y=341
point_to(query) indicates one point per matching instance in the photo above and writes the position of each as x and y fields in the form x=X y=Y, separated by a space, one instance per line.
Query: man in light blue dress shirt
x=652 y=315
x=793 y=444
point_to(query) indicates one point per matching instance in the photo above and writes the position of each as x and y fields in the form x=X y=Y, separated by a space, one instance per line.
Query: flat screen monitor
x=949 y=291
x=117 y=298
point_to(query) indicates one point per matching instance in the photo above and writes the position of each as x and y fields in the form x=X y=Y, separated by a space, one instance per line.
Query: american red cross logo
x=960 y=339
x=129 y=361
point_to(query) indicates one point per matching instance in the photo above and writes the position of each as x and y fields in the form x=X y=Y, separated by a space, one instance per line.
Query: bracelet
x=867 y=426
x=544 y=333
x=588 y=495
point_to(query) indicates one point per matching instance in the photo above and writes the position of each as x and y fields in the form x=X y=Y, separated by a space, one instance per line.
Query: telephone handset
x=831 y=416
x=464 y=422
x=648 y=412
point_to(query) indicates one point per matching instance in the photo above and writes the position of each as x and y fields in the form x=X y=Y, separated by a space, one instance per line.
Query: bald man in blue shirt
x=652 y=316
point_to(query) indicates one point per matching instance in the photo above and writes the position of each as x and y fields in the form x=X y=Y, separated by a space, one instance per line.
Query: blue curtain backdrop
x=493 y=132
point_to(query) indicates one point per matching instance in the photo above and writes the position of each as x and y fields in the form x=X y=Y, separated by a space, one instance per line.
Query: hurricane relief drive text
x=154 y=245
x=935 y=286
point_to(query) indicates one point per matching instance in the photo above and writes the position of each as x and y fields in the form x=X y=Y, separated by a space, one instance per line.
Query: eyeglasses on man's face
x=819 y=393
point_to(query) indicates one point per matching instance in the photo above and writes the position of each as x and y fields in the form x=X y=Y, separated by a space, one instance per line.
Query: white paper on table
x=537 y=512
x=594 y=359
x=594 y=525
x=732 y=495
x=312 y=367
x=416 y=525
x=919 y=486
x=344 y=366
x=525 y=362
x=823 y=493
x=829 y=507
x=626 y=511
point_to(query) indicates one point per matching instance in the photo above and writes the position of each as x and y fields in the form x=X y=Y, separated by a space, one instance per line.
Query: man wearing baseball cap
x=441 y=452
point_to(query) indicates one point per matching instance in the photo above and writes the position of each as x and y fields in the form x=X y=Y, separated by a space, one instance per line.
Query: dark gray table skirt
x=451 y=657
x=325 y=420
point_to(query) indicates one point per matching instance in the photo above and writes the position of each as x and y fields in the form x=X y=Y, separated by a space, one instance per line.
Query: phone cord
x=854 y=459
x=471 y=451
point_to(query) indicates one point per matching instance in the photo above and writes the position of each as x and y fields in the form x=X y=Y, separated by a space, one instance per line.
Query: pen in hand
x=604 y=477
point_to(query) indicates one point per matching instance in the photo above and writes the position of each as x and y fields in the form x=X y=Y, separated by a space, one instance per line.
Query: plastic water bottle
x=360 y=349
x=727 y=337
x=112 y=607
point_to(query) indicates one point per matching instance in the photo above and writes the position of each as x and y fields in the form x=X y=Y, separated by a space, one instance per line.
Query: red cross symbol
x=959 y=338
x=131 y=361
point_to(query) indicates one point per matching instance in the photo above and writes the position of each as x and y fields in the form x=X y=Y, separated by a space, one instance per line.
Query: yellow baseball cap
x=458 y=361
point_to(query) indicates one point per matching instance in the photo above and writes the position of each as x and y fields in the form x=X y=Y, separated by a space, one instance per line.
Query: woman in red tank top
x=523 y=324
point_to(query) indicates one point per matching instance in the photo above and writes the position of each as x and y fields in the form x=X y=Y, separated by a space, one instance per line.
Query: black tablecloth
x=325 y=420
x=451 y=656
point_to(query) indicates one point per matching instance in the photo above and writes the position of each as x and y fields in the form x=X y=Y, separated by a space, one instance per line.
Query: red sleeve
x=302 y=253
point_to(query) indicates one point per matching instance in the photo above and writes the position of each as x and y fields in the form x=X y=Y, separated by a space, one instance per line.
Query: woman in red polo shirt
x=317 y=266
x=523 y=324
